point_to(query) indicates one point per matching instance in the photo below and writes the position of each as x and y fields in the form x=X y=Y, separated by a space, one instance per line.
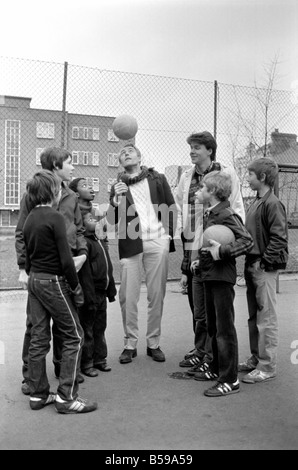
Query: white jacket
x=182 y=191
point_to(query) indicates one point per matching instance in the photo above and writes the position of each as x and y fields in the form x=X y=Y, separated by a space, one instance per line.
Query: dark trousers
x=94 y=324
x=50 y=299
x=202 y=338
x=219 y=303
x=56 y=344
x=190 y=298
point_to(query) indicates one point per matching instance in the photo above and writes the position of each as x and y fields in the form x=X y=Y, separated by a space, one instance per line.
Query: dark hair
x=204 y=138
x=221 y=182
x=73 y=185
x=53 y=157
x=264 y=166
x=43 y=187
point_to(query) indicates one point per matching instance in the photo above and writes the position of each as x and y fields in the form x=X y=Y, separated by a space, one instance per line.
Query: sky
x=231 y=41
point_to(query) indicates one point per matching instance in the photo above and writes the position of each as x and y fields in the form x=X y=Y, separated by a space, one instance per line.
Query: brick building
x=25 y=132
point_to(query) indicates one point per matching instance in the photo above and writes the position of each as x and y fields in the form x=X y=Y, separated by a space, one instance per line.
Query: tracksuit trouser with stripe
x=49 y=298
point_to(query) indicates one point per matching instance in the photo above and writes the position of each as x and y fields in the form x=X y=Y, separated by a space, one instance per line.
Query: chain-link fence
x=47 y=104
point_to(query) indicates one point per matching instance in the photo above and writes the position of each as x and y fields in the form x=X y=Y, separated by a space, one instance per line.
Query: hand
x=23 y=279
x=78 y=296
x=213 y=249
x=120 y=188
x=183 y=281
x=79 y=261
x=194 y=265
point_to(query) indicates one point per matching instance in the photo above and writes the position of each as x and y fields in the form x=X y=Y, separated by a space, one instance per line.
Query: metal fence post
x=63 y=120
x=215 y=109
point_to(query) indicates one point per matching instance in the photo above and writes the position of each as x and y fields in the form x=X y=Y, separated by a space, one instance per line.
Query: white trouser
x=155 y=260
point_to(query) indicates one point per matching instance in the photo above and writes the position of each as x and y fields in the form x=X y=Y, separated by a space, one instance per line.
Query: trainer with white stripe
x=79 y=405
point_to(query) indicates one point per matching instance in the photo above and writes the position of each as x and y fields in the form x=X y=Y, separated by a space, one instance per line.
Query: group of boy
x=210 y=272
x=71 y=293
x=142 y=205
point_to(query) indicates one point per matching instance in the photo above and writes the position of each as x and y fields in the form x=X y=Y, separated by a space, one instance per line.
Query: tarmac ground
x=141 y=407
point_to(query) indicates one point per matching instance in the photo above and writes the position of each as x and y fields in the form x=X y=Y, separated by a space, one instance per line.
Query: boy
x=203 y=148
x=59 y=161
x=217 y=268
x=267 y=223
x=98 y=284
x=54 y=292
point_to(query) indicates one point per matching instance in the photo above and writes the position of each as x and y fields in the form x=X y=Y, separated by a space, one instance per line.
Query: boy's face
x=129 y=157
x=203 y=195
x=199 y=154
x=89 y=223
x=65 y=173
x=253 y=181
x=85 y=191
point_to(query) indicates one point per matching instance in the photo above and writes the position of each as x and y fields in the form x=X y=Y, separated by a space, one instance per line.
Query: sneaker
x=201 y=367
x=127 y=355
x=193 y=360
x=191 y=353
x=207 y=375
x=25 y=388
x=80 y=378
x=247 y=365
x=79 y=405
x=103 y=367
x=257 y=376
x=91 y=372
x=156 y=354
x=222 y=389
x=39 y=403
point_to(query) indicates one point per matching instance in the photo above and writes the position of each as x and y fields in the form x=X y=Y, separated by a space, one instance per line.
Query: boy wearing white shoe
x=267 y=223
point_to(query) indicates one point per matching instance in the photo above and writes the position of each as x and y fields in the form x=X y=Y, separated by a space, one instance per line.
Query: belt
x=47 y=276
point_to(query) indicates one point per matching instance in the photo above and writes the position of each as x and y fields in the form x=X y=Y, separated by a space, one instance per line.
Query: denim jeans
x=94 y=324
x=220 y=323
x=50 y=299
x=56 y=344
x=202 y=338
x=262 y=321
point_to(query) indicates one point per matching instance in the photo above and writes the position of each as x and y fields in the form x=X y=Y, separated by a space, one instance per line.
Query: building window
x=95 y=133
x=75 y=133
x=37 y=155
x=85 y=133
x=111 y=136
x=111 y=181
x=45 y=130
x=113 y=159
x=85 y=158
x=95 y=159
x=93 y=182
x=12 y=162
x=75 y=158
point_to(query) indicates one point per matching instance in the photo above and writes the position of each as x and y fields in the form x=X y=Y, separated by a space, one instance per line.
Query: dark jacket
x=126 y=216
x=69 y=208
x=224 y=269
x=96 y=274
x=272 y=232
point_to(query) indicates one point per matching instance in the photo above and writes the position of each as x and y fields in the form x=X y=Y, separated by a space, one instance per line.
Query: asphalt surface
x=140 y=406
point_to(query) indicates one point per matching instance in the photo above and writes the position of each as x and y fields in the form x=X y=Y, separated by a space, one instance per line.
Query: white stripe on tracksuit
x=80 y=338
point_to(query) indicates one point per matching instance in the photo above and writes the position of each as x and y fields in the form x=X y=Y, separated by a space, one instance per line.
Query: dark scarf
x=128 y=180
x=85 y=208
